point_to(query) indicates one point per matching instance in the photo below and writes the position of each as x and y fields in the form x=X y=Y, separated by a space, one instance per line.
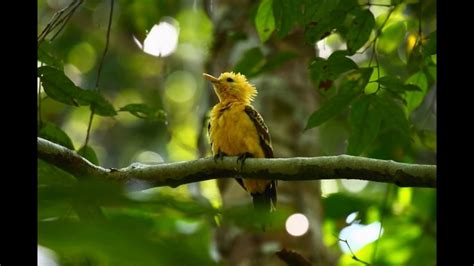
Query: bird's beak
x=210 y=78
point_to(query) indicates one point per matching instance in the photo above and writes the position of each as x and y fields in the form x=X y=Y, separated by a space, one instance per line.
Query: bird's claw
x=219 y=156
x=241 y=159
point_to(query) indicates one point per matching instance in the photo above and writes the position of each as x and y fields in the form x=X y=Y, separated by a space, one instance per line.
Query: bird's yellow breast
x=233 y=132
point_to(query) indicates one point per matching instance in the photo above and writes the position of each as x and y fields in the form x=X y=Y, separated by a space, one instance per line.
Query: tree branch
x=299 y=168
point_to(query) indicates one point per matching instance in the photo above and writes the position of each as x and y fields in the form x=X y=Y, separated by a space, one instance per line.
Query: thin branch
x=89 y=125
x=66 y=20
x=300 y=168
x=106 y=44
x=59 y=19
x=354 y=257
x=99 y=70
x=377 y=35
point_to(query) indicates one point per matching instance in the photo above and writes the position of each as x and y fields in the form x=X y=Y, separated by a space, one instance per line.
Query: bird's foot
x=241 y=159
x=219 y=156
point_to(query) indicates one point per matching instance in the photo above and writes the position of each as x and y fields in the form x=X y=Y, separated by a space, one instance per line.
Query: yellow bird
x=237 y=129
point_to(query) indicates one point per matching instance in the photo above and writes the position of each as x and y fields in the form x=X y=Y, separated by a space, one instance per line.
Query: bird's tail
x=265 y=201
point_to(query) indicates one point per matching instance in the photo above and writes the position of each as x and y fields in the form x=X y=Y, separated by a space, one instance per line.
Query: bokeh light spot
x=354 y=186
x=351 y=217
x=162 y=39
x=180 y=86
x=46 y=257
x=358 y=236
x=297 y=224
x=82 y=56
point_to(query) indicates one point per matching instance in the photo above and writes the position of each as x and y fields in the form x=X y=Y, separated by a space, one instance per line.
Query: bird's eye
x=230 y=80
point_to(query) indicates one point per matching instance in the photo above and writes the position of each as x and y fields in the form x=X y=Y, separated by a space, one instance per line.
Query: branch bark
x=288 y=169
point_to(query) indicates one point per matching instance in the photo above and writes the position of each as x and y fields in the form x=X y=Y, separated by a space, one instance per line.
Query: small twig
x=384 y=208
x=106 y=44
x=100 y=69
x=354 y=257
x=378 y=65
x=91 y=117
x=66 y=19
x=58 y=19
x=377 y=35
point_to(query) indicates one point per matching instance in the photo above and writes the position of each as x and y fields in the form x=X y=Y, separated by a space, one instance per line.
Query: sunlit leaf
x=144 y=111
x=264 y=20
x=391 y=37
x=89 y=153
x=365 y=124
x=55 y=134
x=415 y=98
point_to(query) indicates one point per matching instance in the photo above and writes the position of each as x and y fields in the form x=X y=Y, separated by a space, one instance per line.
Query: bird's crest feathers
x=238 y=86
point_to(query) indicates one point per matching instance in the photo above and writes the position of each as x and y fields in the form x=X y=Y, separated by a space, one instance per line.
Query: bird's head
x=232 y=87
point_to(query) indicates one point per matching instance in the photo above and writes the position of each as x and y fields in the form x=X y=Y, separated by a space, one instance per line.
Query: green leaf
x=395 y=85
x=392 y=115
x=321 y=18
x=391 y=37
x=55 y=134
x=59 y=87
x=338 y=64
x=49 y=174
x=316 y=71
x=287 y=13
x=322 y=70
x=275 y=61
x=144 y=111
x=99 y=104
x=365 y=123
x=89 y=153
x=45 y=56
x=264 y=20
x=429 y=48
x=415 y=98
x=251 y=62
x=361 y=26
x=428 y=139
x=351 y=86
x=323 y=27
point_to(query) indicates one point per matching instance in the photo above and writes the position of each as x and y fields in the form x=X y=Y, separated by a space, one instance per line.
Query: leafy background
x=334 y=77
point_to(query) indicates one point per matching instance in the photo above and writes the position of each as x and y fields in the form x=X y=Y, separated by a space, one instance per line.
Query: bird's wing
x=209 y=132
x=262 y=130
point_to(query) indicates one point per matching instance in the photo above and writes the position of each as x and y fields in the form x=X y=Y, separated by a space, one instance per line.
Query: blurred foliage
x=372 y=71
